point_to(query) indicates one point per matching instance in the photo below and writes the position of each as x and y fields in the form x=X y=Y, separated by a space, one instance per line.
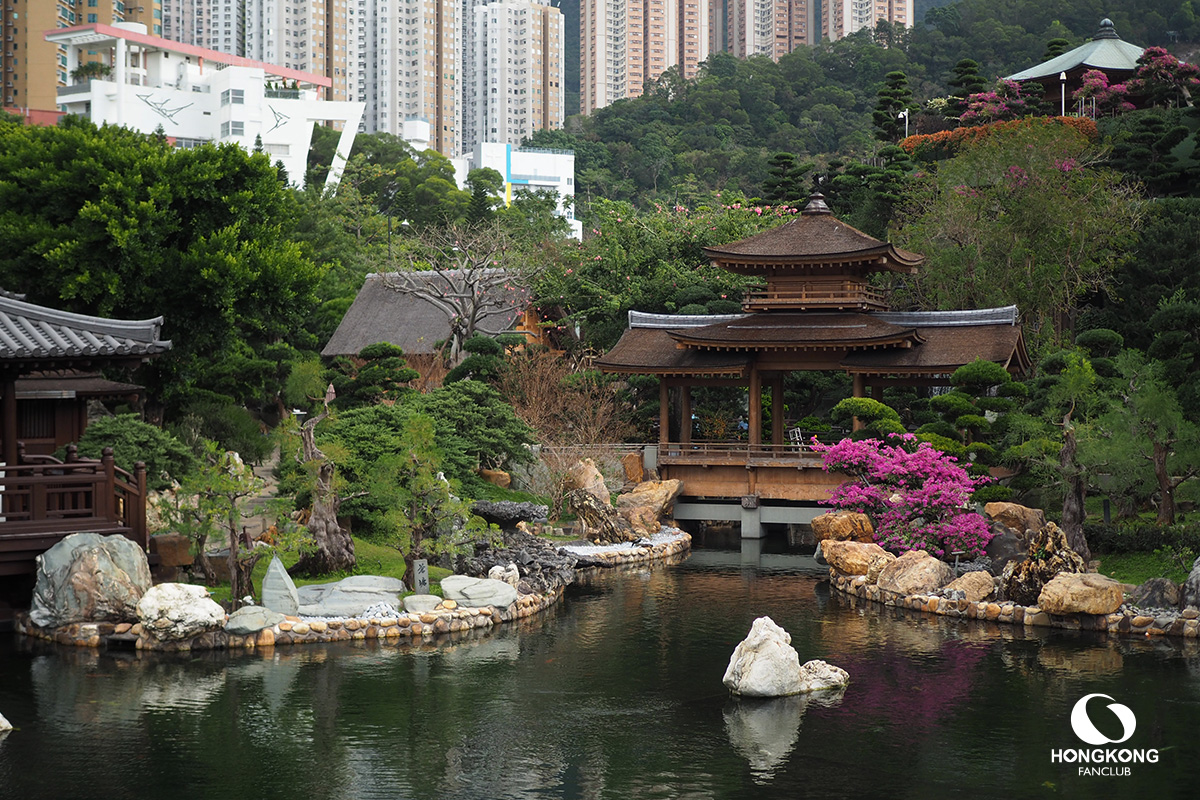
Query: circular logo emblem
x=1085 y=730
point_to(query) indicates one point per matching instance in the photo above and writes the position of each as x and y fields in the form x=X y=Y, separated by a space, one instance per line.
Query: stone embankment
x=1185 y=623
x=447 y=618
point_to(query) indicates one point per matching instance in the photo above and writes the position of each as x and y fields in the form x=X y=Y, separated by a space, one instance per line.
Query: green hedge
x=1140 y=537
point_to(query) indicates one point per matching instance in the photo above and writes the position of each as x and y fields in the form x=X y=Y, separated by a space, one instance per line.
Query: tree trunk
x=1074 y=495
x=334 y=547
x=1166 y=504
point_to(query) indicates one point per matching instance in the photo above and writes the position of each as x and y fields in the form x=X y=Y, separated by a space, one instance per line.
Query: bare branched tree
x=473 y=274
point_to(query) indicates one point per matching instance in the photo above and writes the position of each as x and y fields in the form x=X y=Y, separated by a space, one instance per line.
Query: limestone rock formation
x=541 y=564
x=1081 y=593
x=5 y=725
x=915 y=572
x=601 y=523
x=1157 y=593
x=496 y=477
x=478 y=592
x=349 y=597
x=648 y=504
x=279 y=590
x=421 y=603
x=1049 y=554
x=765 y=664
x=173 y=611
x=252 y=619
x=508 y=513
x=843 y=526
x=585 y=476
x=87 y=577
x=1021 y=519
x=510 y=574
x=855 y=558
x=975 y=585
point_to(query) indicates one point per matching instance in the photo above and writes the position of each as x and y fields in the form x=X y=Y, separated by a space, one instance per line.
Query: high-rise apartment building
x=840 y=18
x=771 y=28
x=32 y=68
x=624 y=45
x=512 y=72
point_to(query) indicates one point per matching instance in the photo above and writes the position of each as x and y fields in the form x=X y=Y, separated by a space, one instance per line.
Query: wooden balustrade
x=43 y=500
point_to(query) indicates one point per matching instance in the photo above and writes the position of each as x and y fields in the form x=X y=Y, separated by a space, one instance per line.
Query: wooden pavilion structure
x=816 y=309
x=43 y=352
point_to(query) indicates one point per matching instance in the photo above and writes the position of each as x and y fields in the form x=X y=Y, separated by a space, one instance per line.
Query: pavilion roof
x=36 y=337
x=1106 y=52
x=926 y=344
x=814 y=237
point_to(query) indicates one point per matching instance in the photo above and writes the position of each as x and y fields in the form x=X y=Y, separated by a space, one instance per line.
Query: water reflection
x=765 y=731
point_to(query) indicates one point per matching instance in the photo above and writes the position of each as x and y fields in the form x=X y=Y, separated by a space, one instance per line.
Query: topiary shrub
x=991 y=494
x=167 y=459
x=979 y=376
x=219 y=418
x=940 y=428
x=1100 y=343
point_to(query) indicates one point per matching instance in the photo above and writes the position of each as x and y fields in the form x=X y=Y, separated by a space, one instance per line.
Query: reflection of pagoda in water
x=815 y=310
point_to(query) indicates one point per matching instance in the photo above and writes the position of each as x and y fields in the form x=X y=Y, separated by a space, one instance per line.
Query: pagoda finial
x=816 y=204
x=1107 y=30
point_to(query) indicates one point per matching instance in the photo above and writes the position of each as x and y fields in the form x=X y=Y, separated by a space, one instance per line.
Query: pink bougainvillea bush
x=915 y=495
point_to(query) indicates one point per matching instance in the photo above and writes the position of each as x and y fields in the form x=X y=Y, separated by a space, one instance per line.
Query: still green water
x=616 y=693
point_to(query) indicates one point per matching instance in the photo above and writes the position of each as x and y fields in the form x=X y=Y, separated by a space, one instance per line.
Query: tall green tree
x=894 y=103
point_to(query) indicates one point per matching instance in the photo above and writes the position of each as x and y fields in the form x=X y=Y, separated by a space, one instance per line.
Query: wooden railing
x=849 y=295
x=43 y=499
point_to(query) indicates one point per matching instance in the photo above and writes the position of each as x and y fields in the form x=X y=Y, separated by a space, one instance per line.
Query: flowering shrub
x=1163 y=79
x=947 y=144
x=1108 y=99
x=1007 y=101
x=915 y=495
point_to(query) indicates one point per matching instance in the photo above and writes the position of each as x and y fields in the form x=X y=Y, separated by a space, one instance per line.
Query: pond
x=615 y=693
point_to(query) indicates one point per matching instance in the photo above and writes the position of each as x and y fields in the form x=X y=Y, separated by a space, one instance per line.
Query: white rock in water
x=5 y=725
x=172 y=611
x=765 y=664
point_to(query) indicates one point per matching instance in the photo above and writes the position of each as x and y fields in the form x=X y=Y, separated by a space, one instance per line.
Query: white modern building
x=200 y=95
x=840 y=18
x=531 y=169
x=512 y=71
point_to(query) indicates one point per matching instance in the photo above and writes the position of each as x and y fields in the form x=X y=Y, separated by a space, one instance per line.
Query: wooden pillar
x=685 y=414
x=8 y=411
x=755 y=407
x=664 y=411
x=777 y=412
x=859 y=383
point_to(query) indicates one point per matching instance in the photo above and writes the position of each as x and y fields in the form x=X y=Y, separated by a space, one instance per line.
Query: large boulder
x=765 y=664
x=173 y=611
x=252 y=619
x=1191 y=587
x=601 y=522
x=349 y=597
x=1049 y=554
x=855 y=558
x=586 y=476
x=468 y=591
x=279 y=592
x=1081 y=593
x=648 y=504
x=5 y=725
x=1006 y=545
x=1021 y=519
x=1157 y=593
x=843 y=526
x=975 y=586
x=87 y=577
x=915 y=572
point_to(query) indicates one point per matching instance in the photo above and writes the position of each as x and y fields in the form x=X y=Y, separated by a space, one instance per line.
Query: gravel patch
x=664 y=536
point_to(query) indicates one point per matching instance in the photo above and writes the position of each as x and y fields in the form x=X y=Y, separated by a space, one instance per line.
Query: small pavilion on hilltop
x=1063 y=75
x=815 y=310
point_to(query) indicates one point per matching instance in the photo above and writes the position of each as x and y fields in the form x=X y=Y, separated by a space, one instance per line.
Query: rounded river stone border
x=447 y=618
x=1185 y=624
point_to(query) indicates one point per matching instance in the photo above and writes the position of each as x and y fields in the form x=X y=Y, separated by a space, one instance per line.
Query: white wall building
x=531 y=169
x=200 y=95
x=840 y=18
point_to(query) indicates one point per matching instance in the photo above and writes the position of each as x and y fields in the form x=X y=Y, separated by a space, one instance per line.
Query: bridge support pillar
x=751 y=522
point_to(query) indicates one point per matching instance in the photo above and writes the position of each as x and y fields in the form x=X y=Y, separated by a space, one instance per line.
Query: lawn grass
x=371 y=559
x=1137 y=568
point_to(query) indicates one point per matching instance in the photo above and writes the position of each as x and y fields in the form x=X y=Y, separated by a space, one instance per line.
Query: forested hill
x=685 y=140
